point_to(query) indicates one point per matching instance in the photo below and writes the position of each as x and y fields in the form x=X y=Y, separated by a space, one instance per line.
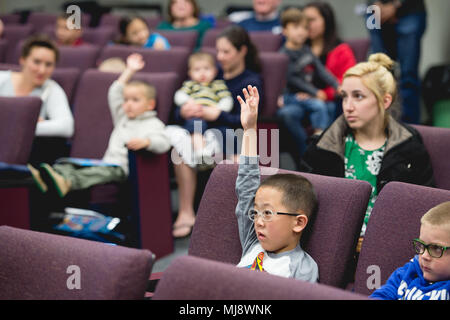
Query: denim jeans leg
x=291 y=115
x=318 y=112
x=410 y=30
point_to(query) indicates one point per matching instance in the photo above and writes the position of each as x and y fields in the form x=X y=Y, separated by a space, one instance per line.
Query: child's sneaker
x=42 y=186
x=62 y=185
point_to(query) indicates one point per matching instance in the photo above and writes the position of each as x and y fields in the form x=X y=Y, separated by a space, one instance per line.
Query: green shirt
x=363 y=165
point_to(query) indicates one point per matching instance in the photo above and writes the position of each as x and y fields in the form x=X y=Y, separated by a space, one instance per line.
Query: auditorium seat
x=93 y=126
x=42 y=266
x=15 y=34
x=437 y=143
x=332 y=236
x=186 y=39
x=39 y=20
x=193 y=278
x=173 y=60
x=393 y=224
x=18 y=118
x=360 y=48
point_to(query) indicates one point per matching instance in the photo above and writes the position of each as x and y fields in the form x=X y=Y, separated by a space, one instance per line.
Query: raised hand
x=249 y=107
x=135 y=62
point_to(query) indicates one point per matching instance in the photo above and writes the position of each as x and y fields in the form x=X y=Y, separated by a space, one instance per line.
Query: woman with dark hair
x=337 y=56
x=239 y=66
x=135 y=31
x=38 y=60
x=184 y=15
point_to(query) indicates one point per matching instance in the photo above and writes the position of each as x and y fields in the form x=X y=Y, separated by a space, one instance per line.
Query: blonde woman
x=366 y=142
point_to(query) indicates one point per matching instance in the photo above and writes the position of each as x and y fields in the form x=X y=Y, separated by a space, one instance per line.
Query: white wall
x=436 y=41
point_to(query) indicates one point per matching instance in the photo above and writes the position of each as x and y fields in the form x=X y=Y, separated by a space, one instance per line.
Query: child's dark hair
x=292 y=15
x=39 y=41
x=124 y=22
x=298 y=192
x=239 y=37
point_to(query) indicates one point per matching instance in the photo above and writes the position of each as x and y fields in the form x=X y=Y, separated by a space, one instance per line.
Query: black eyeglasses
x=267 y=214
x=434 y=250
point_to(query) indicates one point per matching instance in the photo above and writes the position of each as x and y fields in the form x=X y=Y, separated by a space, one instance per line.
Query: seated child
x=66 y=36
x=272 y=214
x=427 y=275
x=134 y=31
x=136 y=127
x=198 y=92
x=304 y=70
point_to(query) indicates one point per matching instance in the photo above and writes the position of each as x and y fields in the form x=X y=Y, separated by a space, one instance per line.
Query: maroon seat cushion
x=193 y=278
x=35 y=265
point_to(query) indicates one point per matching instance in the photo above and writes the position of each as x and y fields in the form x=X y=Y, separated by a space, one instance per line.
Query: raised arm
x=135 y=62
x=249 y=117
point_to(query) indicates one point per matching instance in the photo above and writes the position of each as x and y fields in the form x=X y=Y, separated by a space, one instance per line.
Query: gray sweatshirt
x=303 y=68
x=295 y=263
x=146 y=125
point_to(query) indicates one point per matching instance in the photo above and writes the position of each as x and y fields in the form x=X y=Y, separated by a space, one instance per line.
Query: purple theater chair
x=173 y=60
x=93 y=126
x=18 y=118
x=112 y=20
x=15 y=34
x=10 y=18
x=192 y=278
x=393 y=224
x=360 y=47
x=41 y=266
x=99 y=36
x=331 y=239
x=185 y=39
x=3 y=49
x=437 y=143
x=39 y=20
x=81 y=57
x=263 y=41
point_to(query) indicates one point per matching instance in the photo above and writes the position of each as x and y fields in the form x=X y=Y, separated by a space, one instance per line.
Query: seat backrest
x=81 y=57
x=112 y=20
x=93 y=123
x=99 y=36
x=360 y=47
x=192 y=278
x=15 y=34
x=186 y=39
x=39 y=20
x=18 y=118
x=3 y=49
x=36 y=265
x=173 y=60
x=330 y=240
x=274 y=70
x=393 y=223
x=437 y=143
x=264 y=41
x=10 y=18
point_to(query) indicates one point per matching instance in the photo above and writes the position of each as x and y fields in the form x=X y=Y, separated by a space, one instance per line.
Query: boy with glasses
x=427 y=275
x=271 y=214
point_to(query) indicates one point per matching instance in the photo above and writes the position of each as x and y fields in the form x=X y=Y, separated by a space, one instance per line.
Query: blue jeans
x=293 y=112
x=402 y=43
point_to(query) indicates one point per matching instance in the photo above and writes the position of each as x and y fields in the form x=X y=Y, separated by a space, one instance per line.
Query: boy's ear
x=300 y=223
x=151 y=104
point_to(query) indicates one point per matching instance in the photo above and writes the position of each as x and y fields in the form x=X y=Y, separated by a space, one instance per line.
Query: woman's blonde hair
x=377 y=75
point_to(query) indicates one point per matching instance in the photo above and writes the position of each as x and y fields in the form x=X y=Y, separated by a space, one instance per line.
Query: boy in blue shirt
x=427 y=275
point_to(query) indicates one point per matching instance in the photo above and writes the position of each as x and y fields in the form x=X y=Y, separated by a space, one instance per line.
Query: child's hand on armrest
x=138 y=144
